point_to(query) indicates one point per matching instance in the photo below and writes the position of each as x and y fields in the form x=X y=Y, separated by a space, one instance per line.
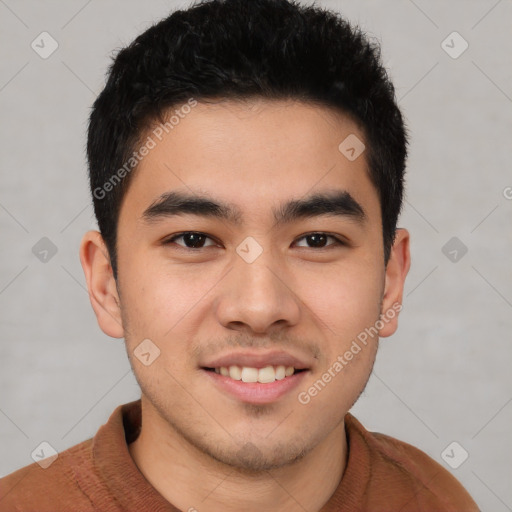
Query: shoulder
x=404 y=470
x=37 y=487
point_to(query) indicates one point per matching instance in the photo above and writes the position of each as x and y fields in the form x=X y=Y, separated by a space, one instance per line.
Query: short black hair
x=237 y=50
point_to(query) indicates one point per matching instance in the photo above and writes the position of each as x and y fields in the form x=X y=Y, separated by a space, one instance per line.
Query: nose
x=257 y=296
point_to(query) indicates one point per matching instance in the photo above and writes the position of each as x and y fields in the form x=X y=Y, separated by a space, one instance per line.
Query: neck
x=192 y=480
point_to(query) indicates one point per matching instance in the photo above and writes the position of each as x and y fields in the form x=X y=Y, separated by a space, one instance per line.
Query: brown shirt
x=382 y=474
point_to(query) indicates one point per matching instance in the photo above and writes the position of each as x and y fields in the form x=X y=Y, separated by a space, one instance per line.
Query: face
x=267 y=278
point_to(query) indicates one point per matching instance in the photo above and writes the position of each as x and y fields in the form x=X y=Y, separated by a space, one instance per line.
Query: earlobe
x=101 y=284
x=396 y=272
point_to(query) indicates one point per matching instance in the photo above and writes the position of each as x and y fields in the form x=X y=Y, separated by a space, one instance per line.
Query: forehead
x=251 y=155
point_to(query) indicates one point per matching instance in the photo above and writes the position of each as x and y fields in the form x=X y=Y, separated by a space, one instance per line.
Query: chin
x=251 y=459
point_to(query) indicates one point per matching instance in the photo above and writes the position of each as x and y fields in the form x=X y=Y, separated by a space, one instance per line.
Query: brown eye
x=191 y=239
x=319 y=240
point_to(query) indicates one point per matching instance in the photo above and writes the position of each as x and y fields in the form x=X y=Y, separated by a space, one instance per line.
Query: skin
x=310 y=301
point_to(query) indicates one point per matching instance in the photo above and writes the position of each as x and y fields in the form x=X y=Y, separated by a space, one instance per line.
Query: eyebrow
x=338 y=203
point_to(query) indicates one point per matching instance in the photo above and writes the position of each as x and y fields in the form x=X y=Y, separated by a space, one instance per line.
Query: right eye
x=193 y=240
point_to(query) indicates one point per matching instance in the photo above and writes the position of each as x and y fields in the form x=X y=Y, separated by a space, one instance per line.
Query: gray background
x=444 y=376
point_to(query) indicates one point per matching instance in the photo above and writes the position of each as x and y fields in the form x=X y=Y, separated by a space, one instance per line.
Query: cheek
x=152 y=297
x=346 y=299
x=164 y=303
x=346 y=307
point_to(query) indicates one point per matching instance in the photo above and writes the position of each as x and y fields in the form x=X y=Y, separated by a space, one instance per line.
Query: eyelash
x=338 y=241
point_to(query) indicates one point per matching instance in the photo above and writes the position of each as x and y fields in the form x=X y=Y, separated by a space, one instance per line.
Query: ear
x=396 y=272
x=101 y=284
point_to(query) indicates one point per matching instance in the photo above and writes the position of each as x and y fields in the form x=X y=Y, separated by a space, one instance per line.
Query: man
x=246 y=165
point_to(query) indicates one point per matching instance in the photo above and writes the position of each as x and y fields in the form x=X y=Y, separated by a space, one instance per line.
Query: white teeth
x=280 y=372
x=267 y=374
x=249 y=374
x=235 y=372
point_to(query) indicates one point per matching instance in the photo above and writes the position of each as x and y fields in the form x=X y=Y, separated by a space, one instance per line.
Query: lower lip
x=256 y=392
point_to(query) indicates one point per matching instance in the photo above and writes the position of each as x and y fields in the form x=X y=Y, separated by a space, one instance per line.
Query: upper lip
x=257 y=359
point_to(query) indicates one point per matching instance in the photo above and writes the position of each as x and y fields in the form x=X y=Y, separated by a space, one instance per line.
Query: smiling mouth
x=265 y=375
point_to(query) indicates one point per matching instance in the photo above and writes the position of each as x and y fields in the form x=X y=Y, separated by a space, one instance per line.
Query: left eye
x=195 y=240
x=319 y=240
